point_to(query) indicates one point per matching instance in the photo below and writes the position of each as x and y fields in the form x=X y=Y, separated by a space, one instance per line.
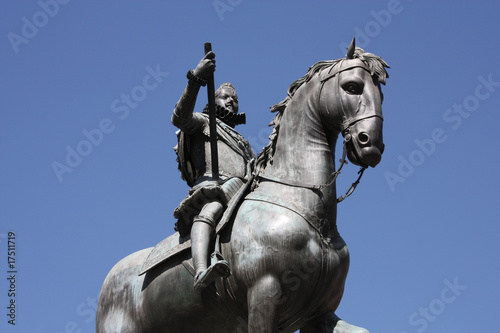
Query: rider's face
x=227 y=98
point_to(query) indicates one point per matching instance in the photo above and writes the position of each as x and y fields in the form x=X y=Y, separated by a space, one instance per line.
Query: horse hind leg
x=330 y=323
x=116 y=309
x=116 y=320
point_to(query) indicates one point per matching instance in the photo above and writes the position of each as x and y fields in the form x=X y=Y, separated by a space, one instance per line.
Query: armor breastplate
x=231 y=164
x=233 y=150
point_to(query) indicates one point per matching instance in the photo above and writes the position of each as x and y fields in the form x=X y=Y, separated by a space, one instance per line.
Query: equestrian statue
x=256 y=247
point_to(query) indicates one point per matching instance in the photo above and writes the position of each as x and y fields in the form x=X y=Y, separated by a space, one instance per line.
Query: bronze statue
x=288 y=261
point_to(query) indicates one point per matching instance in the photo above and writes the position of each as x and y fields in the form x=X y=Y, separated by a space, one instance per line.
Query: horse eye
x=353 y=88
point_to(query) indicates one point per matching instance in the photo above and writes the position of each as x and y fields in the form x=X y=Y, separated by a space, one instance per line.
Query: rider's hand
x=206 y=66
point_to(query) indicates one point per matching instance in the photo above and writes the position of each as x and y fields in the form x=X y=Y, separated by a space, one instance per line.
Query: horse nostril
x=363 y=138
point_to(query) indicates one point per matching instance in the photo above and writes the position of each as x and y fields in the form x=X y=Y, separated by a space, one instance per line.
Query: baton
x=212 y=119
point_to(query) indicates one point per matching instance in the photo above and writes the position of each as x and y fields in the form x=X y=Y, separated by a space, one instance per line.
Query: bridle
x=347 y=123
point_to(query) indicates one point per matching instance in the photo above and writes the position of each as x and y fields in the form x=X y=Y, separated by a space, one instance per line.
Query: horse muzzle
x=365 y=145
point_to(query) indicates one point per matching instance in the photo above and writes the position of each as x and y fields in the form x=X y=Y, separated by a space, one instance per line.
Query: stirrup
x=218 y=268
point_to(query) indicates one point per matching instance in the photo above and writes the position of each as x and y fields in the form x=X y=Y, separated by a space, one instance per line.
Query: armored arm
x=183 y=113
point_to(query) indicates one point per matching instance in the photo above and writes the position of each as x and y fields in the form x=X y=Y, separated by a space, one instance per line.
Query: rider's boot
x=202 y=234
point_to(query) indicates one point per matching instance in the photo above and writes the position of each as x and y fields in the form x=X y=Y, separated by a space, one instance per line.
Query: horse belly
x=162 y=300
x=170 y=304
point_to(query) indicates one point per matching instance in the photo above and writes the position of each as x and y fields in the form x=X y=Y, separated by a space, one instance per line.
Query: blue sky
x=422 y=227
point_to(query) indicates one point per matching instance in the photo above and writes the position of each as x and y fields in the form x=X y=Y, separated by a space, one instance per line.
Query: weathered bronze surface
x=288 y=262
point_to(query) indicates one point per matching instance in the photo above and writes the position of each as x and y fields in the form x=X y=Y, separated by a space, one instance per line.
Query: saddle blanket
x=164 y=250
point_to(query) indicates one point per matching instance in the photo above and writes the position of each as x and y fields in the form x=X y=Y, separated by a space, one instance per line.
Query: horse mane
x=377 y=68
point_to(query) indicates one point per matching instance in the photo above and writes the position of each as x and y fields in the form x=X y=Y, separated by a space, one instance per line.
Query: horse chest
x=272 y=239
x=265 y=227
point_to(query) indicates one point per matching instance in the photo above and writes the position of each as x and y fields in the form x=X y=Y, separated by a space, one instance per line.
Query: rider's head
x=226 y=97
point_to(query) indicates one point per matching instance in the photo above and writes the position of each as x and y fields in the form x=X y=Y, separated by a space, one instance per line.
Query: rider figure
x=200 y=212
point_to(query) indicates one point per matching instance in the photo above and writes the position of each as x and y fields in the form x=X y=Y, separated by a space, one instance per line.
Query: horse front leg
x=330 y=323
x=264 y=304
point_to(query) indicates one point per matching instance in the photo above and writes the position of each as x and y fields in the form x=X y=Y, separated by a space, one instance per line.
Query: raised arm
x=182 y=117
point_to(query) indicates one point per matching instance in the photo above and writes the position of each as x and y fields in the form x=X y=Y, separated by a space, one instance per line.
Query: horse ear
x=351 y=48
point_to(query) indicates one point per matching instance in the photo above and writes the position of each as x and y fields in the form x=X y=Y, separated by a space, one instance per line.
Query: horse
x=288 y=261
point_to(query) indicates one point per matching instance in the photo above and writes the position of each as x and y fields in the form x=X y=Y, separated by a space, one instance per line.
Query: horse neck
x=305 y=151
x=304 y=154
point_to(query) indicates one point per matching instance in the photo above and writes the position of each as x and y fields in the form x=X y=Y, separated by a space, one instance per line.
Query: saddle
x=176 y=245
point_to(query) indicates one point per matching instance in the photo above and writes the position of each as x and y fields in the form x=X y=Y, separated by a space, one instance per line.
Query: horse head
x=351 y=103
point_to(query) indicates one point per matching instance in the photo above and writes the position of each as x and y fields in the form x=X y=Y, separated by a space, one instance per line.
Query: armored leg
x=202 y=237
